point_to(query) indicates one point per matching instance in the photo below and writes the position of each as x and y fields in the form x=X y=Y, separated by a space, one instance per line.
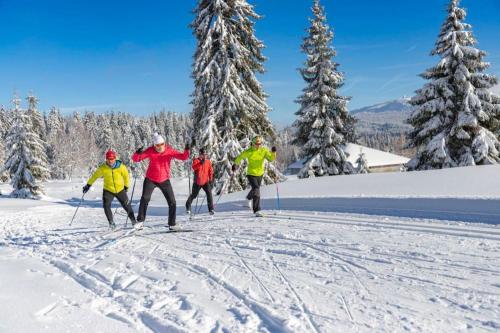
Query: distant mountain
x=399 y=105
x=388 y=117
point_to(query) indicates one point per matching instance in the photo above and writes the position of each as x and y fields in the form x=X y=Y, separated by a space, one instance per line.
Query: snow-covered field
x=364 y=253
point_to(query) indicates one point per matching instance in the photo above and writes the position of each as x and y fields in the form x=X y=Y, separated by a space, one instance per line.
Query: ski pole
x=223 y=188
x=202 y=202
x=277 y=195
x=131 y=198
x=116 y=209
x=81 y=200
x=195 y=206
x=189 y=180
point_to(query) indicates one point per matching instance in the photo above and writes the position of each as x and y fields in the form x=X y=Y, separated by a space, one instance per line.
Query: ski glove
x=234 y=167
x=86 y=188
x=187 y=147
x=126 y=188
x=273 y=149
x=140 y=150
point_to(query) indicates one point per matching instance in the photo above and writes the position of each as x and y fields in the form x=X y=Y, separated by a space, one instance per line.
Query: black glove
x=126 y=188
x=202 y=160
x=187 y=147
x=234 y=167
x=273 y=149
x=140 y=150
x=86 y=188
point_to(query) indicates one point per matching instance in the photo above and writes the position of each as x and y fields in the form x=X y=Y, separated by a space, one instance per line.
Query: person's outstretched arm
x=178 y=155
x=241 y=157
x=97 y=174
x=270 y=155
x=140 y=155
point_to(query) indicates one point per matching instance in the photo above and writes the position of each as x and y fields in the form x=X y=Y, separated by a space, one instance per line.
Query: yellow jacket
x=115 y=179
x=255 y=157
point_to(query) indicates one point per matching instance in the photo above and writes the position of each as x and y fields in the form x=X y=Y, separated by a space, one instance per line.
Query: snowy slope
x=467 y=194
x=298 y=271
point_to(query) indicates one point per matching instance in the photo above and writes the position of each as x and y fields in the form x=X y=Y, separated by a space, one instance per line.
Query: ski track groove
x=267 y=319
x=346 y=307
x=365 y=288
x=97 y=287
x=449 y=287
x=245 y=264
x=84 y=275
x=302 y=305
x=270 y=321
x=411 y=259
x=435 y=230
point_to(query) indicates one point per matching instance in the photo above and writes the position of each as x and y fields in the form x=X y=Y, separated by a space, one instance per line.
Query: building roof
x=375 y=158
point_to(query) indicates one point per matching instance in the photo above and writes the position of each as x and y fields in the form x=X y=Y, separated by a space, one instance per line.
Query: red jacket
x=159 y=163
x=203 y=171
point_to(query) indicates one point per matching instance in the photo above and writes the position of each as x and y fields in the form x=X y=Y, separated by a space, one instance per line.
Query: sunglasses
x=160 y=145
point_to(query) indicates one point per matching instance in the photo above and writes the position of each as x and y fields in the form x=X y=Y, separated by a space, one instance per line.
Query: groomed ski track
x=291 y=271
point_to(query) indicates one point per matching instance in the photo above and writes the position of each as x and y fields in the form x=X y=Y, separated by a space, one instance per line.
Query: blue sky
x=136 y=56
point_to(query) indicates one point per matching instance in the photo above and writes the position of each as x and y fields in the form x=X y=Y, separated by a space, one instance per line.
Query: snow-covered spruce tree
x=4 y=126
x=55 y=129
x=229 y=104
x=36 y=118
x=456 y=116
x=4 y=122
x=104 y=136
x=25 y=158
x=77 y=152
x=323 y=118
x=362 y=163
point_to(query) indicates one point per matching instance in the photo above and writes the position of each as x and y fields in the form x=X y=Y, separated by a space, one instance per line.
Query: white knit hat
x=157 y=139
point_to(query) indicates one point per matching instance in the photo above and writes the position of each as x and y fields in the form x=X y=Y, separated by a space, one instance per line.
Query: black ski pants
x=196 y=190
x=168 y=193
x=254 y=193
x=107 y=199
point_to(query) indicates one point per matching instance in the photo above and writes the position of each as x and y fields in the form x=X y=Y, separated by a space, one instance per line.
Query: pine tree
x=456 y=116
x=36 y=118
x=4 y=126
x=362 y=163
x=55 y=127
x=4 y=122
x=323 y=120
x=229 y=104
x=104 y=133
x=25 y=161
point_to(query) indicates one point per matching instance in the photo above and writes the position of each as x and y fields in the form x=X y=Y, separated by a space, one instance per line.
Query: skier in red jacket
x=203 y=178
x=158 y=175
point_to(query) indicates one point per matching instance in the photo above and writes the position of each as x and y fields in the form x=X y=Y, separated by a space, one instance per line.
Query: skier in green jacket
x=255 y=155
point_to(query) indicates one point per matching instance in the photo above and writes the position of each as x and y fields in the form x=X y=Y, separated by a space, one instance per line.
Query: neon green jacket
x=115 y=179
x=255 y=159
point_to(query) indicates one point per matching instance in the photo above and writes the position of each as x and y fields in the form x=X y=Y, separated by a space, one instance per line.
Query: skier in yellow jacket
x=116 y=184
x=255 y=155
